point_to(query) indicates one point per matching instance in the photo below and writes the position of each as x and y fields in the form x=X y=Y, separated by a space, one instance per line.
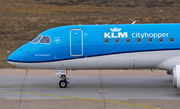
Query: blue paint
x=76 y=42
x=93 y=43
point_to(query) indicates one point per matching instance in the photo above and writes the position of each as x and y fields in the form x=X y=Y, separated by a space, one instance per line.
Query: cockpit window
x=36 y=39
x=45 y=40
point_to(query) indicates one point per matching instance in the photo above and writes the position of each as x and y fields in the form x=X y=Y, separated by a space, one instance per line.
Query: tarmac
x=91 y=89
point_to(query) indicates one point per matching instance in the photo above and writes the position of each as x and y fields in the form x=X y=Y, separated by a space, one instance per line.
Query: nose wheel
x=63 y=82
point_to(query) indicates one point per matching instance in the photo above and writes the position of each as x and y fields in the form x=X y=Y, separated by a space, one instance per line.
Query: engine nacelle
x=176 y=76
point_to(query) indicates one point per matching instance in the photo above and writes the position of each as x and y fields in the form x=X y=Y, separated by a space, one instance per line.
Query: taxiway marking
x=83 y=99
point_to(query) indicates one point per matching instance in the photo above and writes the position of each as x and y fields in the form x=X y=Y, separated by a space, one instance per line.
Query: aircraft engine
x=176 y=76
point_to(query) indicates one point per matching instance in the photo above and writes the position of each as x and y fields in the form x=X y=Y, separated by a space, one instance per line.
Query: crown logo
x=115 y=29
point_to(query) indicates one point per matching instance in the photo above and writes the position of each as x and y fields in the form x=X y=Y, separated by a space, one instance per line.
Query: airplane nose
x=12 y=59
x=9 y=60
x=20 y=55
x=15 y=57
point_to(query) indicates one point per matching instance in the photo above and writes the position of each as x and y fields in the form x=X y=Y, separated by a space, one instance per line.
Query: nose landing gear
x=63 y=82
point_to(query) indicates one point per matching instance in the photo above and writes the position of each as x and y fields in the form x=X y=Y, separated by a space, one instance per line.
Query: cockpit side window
x=45 y=40
x=36 y=39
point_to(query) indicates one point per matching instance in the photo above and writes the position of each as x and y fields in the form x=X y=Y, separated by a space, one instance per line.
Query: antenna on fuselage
x=134 y=22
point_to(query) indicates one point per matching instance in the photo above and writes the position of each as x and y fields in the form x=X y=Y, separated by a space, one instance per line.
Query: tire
x=63 y=84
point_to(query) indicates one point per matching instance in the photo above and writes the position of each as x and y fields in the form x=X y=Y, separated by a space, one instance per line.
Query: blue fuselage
x=85 y=41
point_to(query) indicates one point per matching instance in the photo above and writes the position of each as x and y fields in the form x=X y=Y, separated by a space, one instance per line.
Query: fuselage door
x=76 y=42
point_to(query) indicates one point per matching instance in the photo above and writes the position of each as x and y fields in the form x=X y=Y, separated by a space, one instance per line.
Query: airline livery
x=84 y=47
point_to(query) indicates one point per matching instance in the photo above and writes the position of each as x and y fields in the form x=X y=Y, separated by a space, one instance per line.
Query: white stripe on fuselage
x=139 y=60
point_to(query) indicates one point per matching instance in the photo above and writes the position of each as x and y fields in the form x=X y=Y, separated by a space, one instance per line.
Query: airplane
x=100 y=47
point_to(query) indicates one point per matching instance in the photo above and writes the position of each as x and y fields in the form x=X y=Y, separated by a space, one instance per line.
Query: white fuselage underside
x=137 y=60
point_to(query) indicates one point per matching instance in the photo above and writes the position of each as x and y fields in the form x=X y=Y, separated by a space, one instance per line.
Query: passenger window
x=161 y=39
x=139 y=40
x=117 y=40
x=36 y=39
x=45 y=40
x=128 y=40
x=172 y=39
x=150 y=39
x=106 y=40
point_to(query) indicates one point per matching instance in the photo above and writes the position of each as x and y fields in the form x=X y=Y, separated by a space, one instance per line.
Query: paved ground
x=95 y=90
x=83 y=72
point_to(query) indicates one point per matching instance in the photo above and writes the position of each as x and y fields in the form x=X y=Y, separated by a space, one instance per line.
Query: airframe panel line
x=83 y=99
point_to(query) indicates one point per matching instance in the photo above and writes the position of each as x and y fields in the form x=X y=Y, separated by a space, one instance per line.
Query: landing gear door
x=76 y=42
